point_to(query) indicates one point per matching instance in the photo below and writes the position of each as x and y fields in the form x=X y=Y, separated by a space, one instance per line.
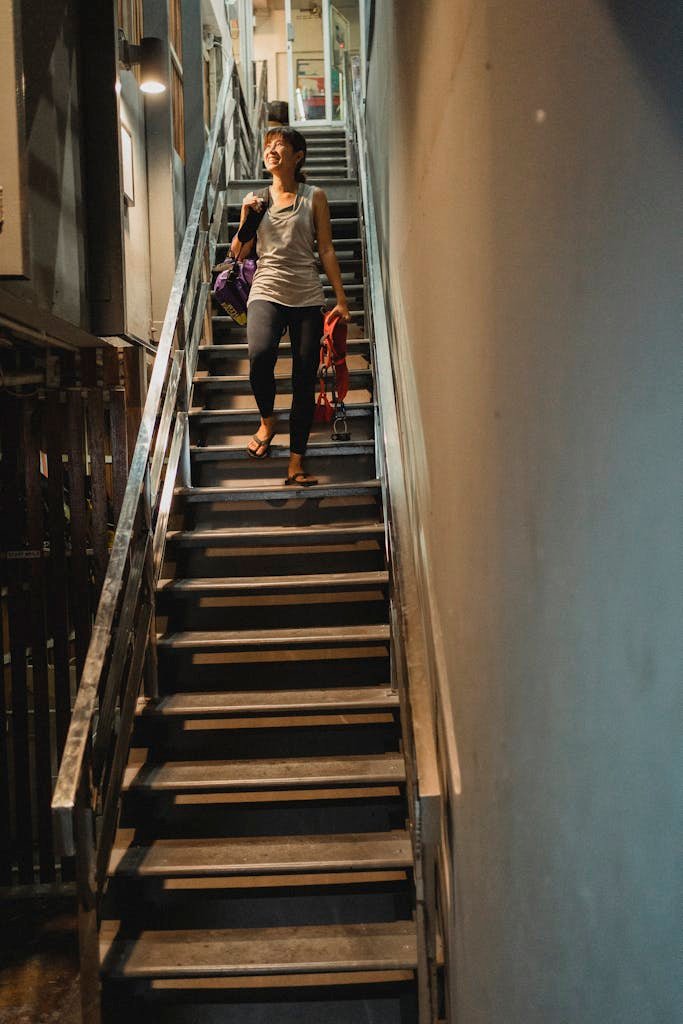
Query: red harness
x=333 y=372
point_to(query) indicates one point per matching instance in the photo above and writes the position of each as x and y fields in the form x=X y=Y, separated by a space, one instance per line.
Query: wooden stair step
x=357 y=379
x=259 y=951
x=354 y=346
x=354 y=410
x=279 y=493
x=237 y=585
x=263 y=773
x=196 y=986
x=193 y=640
x=356 y=312
x=316 y=449
x=256 y=855
x=269 y=535
x=187 y=705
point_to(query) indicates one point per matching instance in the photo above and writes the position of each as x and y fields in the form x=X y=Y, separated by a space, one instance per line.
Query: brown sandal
x=262 y=442
x=300 y=479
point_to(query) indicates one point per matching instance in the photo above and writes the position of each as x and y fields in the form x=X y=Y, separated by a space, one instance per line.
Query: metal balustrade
x=122 y=647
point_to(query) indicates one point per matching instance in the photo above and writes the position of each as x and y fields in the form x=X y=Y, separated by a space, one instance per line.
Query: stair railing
x=410 y=666
x=259 y=119
x=122 y=649
x=245 y=142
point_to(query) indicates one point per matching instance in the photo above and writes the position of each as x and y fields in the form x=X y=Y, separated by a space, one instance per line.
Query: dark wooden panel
x=15 y=577
x=5 y=825
x=102 y=170
x=119 y=448
x=80 y=574
x=58 y=573
x=58 y=603
x=110 y=367
x=98 y=488
x=32 y=415
x=134 y=401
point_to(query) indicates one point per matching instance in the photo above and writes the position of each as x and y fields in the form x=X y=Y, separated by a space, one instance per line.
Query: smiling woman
x=287 y=293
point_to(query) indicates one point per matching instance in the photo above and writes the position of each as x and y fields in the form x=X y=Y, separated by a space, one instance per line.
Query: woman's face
x=279 y=154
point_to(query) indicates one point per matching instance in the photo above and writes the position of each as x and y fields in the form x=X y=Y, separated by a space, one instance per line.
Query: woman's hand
x=253 y=202
x=342 y=310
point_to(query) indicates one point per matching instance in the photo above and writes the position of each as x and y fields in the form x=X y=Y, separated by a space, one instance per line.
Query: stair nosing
x=290 y=582
x=277 y=493
x=189 y=705
x=193 y=639
x=352 y=855
x=279 y=532
x=383 y=769
x=284 y=950
x=353 y=409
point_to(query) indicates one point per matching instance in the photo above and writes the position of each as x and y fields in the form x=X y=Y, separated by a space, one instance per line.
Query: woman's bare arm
x=241 y=250
x=328 y=257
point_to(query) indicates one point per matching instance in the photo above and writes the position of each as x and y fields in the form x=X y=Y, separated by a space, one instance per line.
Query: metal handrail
x=130 y=564
x=259 y=119
x=410 y=661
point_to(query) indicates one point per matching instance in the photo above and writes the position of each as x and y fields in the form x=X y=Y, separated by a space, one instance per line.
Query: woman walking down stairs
x=263 y=864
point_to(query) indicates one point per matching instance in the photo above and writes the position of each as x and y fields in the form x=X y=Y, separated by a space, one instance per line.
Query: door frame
x=327 y=121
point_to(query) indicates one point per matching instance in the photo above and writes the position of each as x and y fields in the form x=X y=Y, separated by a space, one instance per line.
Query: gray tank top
x=287 y=270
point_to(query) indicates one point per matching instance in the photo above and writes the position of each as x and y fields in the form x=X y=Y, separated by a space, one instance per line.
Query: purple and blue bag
x=232 y=286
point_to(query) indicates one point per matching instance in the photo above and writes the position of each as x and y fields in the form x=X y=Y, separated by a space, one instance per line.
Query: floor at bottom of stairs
x=39 y=960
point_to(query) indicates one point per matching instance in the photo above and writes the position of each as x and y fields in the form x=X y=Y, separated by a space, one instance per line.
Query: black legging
x=266 y=323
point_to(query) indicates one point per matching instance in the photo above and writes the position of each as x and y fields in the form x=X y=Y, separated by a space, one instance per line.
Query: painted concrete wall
x=56 y=270
x=527 y=162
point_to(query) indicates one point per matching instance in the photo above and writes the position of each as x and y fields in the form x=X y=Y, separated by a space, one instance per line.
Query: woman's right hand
x=253 y=202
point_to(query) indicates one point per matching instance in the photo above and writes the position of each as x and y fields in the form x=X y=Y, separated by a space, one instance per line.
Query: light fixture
x=152 y=57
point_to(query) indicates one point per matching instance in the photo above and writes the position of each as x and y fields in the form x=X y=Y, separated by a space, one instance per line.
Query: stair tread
x=224 y=318
x=275 y=582
x=353 y=409
x=315 y=449
x=264 y=773
x=215 y=537
x=278 y=492
x=273 y=637
x=187 y=704
x=241 y=349
x=216 y=379
x=257 y=855
x=250 y=951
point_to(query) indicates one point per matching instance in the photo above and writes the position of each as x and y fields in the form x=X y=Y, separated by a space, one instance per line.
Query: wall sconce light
x=152 y=57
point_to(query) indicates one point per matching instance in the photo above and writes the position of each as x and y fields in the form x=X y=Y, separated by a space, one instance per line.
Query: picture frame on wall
x=127 y=168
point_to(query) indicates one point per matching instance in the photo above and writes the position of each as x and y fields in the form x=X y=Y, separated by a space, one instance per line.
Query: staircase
x=263 y=867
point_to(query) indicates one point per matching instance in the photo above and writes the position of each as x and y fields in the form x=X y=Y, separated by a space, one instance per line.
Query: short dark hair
x=295 y=139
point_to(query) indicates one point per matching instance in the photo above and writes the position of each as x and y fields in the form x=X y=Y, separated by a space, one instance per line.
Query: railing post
x=183 y=405
x=88 y=939
x=151 y=660
x=237 y=134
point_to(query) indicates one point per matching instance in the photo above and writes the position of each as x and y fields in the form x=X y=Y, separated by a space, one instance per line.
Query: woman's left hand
x=342 y=310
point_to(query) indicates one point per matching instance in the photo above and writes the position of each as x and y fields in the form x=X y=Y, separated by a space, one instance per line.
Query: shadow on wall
x=50 y=48
x=653 y=32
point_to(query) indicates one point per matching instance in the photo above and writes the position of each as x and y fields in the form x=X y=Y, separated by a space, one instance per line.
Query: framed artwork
x=127 y=175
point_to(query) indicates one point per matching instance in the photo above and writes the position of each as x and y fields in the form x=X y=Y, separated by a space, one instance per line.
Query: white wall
x=527 y=160
x=269 y=41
